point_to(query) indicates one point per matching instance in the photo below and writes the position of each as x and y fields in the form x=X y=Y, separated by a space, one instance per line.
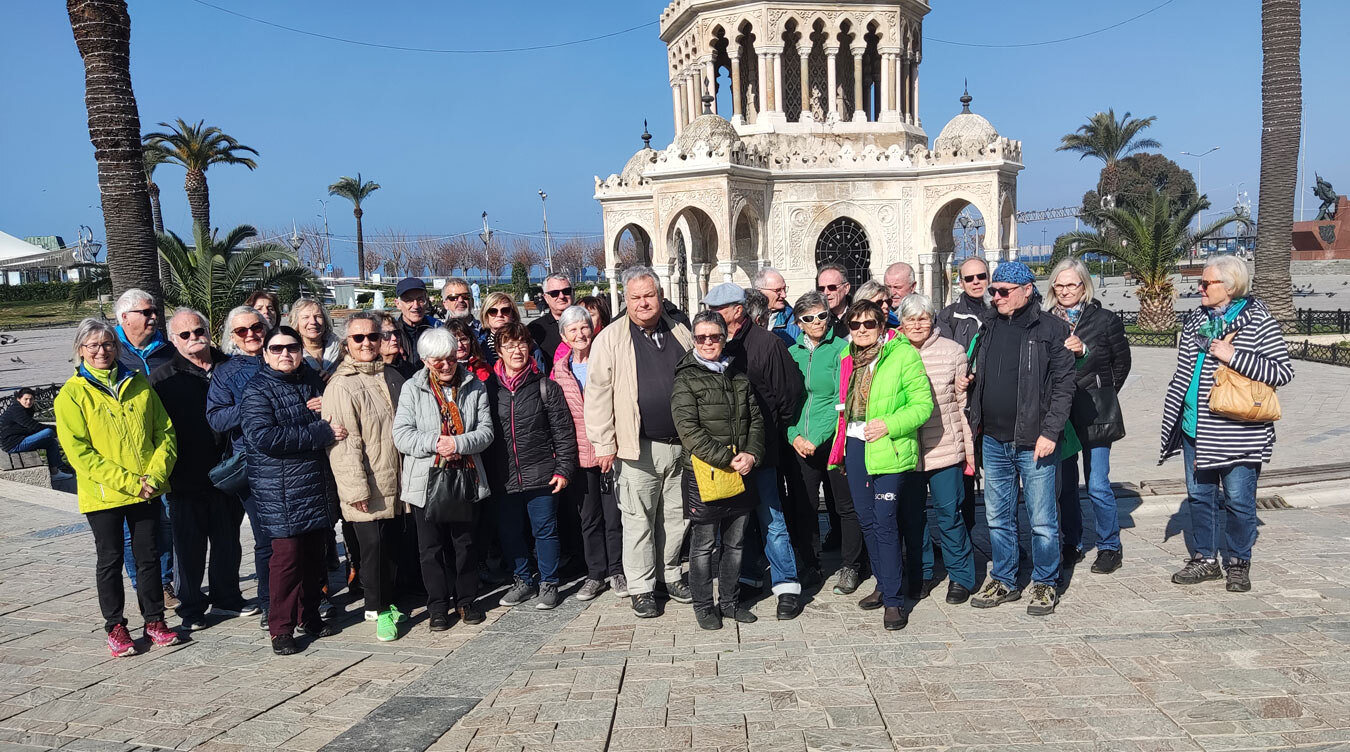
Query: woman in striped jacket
x=1222 y=455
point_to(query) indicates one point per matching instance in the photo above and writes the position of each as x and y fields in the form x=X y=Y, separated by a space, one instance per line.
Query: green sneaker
x=386 y=628
x=399 y=616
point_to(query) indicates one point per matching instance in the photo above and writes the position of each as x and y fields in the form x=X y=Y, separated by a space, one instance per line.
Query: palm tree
x=214 y=275
x=355 y=191
x=1281 y=116
x=102 y=30
x=197 y=147
x=1110 y=140
x=156 y=155
x=1150 y=242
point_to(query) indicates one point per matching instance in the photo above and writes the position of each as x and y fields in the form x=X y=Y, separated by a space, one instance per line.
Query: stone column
x=778 y=82
x=925 y=271
x=915 y=98
x=726 y=269
x=695 y=95
x=677 y=94
x=612 y=274
x=902 y=83
x=831 y=78
x=762 y=88
x=859 y=106
x=709 y=75
x=888 y=113
x=737 y=117
x=663 y=275
x=804 y=53
x=697 y=286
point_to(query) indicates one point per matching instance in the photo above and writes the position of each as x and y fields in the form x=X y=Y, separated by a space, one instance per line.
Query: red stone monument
x=1326 y=239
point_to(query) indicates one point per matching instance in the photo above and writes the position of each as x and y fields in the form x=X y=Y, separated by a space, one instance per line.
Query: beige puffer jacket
x=366 y=465
x=946 y=439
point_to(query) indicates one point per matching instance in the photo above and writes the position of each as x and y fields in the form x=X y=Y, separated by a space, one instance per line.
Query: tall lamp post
x=327 y=248
x=486 y=237
x=1199 y=180
x=548 y=242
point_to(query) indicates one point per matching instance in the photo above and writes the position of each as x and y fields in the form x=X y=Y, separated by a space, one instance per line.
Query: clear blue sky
x=448 y=136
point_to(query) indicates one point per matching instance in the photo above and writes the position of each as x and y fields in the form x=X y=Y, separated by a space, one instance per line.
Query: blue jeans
x=1004 y=463
x=876 y=498
x=1207 y=504
x=947 y=486
x=1097 y=468
x=163 y=543
x=542 y=511
x=44 y=439
x=773 y=529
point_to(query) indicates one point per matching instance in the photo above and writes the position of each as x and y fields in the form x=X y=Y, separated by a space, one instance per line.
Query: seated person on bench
x=19 y=432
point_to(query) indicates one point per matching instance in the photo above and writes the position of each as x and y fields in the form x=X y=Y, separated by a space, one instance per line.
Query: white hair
x=201 y=317
x=897 y=267
x=227 y=344
x=1080 y=269
x=573 y=315
x=1233 y=271
x=558 y=277
x=762 y=276
x=128 y=300
x=916 y=305
x=638 y=272
x=437 y=343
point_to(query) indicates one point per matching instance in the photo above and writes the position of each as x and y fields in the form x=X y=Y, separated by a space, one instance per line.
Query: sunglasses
x=707 y=339
x=499 y=311
x=812 y=318
x=869 y=325
x=147 y=312
x=972 y=277
x=462 y=296
x=827 y=288
x=555 y=293
x=1001 y=292
x=198 y=332
x=242 y=330
x=1205 y=283
x=359 y=338
x=293 y=348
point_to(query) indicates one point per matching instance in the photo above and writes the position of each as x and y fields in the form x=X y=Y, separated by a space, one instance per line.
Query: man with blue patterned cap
x=1019 y=402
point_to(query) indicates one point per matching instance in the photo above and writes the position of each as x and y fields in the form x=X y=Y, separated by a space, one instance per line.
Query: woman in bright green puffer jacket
x=884 y=396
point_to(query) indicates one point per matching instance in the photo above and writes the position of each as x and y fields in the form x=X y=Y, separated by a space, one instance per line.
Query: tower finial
x=708 y=98
x=646 y=137
x=966 y=98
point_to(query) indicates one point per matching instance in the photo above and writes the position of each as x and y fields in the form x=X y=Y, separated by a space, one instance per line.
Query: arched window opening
x=844 y=242
x=792 y=73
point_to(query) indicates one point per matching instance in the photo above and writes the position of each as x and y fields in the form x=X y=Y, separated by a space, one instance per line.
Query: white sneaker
x=372 y=615
x=61 y=475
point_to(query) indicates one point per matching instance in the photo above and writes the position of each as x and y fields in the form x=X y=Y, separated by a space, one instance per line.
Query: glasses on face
x=1002 y=292
x=514 y=347
x=198 y=332
x=499 y=311
x=972 y=277
x=1068 y=286
x=828 y=288
x=779 y=291
x=567 y=291
x=707 y=339
x=96 y=346
x=240 y=331
x=359 y=338
x=812 y=318
x=1205 y=283
x=917 y=322
x=868 y=324
x=462 y=297
x=149 y=313
x=292 y=348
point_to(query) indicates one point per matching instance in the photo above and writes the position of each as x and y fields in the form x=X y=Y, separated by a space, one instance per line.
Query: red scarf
x=512 y=383
x=452 y=422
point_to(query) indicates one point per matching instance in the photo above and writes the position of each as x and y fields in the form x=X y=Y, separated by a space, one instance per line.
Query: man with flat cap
x=415 y=318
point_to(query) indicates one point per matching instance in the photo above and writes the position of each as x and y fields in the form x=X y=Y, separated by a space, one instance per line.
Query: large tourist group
x=466 y=455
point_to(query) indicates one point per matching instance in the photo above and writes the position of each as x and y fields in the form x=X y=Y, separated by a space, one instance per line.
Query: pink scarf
x=512 y=383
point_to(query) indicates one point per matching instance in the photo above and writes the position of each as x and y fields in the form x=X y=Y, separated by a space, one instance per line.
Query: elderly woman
x=285 y=440
x=817 y=353
x=391 y=347
x=534 y=458
x=499 y=311
x=323 y=348
x=947 y=451
x=1222 y=455
x=1097 y=340
x=719 y=423
x=267 y=304
x=877 y=293
x=242 y=340
x=598 y=308
x=119 y=439
x=884 y=398
x=468 y=351
x=444 y=419
x=601 y=528
x=361 y=397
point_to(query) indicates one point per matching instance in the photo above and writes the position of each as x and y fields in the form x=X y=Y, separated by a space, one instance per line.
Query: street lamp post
x=1199 y=180
x=327 y=247
x=548 y=242
x=486 y=237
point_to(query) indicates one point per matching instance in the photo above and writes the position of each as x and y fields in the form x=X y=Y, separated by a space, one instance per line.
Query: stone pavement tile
x=638 y=717
x=668 y=738
x=777 y=741
x=853 y=739
x=311 y=739
x=710 y=736
x=454 y=740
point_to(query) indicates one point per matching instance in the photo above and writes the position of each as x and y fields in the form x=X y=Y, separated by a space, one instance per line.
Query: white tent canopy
x=12 y=248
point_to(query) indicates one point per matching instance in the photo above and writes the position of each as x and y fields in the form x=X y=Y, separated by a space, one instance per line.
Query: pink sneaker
x=119 y=642
x=160 y=634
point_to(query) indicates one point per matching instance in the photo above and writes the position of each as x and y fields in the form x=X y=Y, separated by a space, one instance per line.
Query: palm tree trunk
x=360 y=246
x=1156 y=313
x=1281 y=116
x=102 y=31
x=199 y=199
x=165 y=272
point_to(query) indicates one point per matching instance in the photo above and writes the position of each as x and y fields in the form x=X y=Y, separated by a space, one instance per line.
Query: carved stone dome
x=714 y=130
x=637 y=165
x=967 y=131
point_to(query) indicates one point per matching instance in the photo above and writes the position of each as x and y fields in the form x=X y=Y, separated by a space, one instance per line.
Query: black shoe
x=262 y=620
x=810 y=576
x=871 y=602
x=471 y=615
x=894 y=619
x=957 y=593
x=924 y=590
x=191 y=623
x=1198 y=570
x=1070 y=555
x=737 y=612
x=849 y=580
x=679 y=592
x=317 y=629
x=789 y=606
x=439 y=623
x=1107 y=562
x=1239 y=576
x=644 y=605
x=708 y=617
x=284 y=645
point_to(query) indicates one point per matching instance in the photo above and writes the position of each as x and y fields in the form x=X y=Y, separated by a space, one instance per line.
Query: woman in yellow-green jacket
x=118 y=438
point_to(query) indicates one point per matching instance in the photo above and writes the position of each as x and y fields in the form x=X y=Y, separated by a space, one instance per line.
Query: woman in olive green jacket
x=884 y=397
x=118 y=438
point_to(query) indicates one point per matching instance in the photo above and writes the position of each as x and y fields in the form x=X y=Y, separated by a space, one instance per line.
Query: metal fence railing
x=1305 y=321
x=1336 y=355
x=42 y=401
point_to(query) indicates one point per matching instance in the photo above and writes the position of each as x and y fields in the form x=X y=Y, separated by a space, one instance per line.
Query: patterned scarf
x=1072 y=314
x=452 y=423
x=860 y=381
x=512 y=383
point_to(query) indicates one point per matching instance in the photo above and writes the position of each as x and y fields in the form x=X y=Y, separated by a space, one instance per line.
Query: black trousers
x=704 y=553
x=810 y=474
x=142 y=519
x=377 y=543
x=601 y=523
x=448 y=556
x=205 y=520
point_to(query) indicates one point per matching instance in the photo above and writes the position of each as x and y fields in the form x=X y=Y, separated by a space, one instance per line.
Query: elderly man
x=415 y=318
x=203 y=516
x=143 y=346
x=782 y=321
x=776 y=385
x=899 y=280
x=1023 y=389
x=630 y=378
x=832 y=282
x=544 y=330
x=459 y=302
x=962 y=319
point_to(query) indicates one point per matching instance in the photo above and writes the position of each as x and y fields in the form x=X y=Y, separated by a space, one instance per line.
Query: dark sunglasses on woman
x=292 y=348
x=373 y=337
x=869 y=325
x=240 y=331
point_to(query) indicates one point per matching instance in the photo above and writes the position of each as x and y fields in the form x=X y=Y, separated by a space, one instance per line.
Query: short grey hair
x=437 y=343
x=458 y=281
x=762 y=276
x=983 y=262
x=1075 y=265
x=870 y=289
x=916 y=305
x=573 y=315
x=128 y=300
x=557 y=277
x=756 y=306
x=638 y=272
x=832 y=267
x=372 y=316
x=384 y=317
x=95 y=327
x=227 y=344
x=708 y=316
x=201 y=317
x=302 y=304
x=810 y=302
x=900 y=266
x=1233 y=271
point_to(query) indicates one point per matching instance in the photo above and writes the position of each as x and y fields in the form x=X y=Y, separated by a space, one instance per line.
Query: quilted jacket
x=361 y=398
x=576 y=403
x=225 y=394
x=535 y=436
x=945 y=439
x=285 y=442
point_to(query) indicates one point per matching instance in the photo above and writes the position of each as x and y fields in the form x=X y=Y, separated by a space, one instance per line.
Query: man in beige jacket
x=628 y=420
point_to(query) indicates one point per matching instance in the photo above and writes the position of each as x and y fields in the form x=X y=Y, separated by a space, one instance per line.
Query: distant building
x=36 y=259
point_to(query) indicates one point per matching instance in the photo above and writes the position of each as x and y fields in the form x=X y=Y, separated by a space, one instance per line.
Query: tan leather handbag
x=1237 y=397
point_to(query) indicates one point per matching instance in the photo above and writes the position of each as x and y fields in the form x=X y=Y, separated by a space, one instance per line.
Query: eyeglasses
x=359 y=338
x=972 y=277
x=147 y=312
x=869 y=325
x=827 y=288
x=707 y=339
x=781 y=291
x=293 y=348
x=555 y=293
x=500 y=311
x=460 y=296
x=1069 y=286
x=917 y=321
x=812 y=318
x=198 y=332
x=1002 y=292
x=514 y=347
x=96 y=346
x=1205 y=283
x=240 y=331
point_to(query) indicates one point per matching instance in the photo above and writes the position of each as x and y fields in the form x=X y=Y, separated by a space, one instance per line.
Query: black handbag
x=452 y=494
x=1096 y=415
x=230 y=475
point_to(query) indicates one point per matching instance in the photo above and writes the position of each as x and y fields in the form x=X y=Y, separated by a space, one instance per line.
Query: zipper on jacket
x=810 y=363
x=515 y=450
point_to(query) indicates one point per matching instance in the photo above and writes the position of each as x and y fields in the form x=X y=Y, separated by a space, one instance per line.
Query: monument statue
x=751 y=110
x=817 y=107
x=1324 y=191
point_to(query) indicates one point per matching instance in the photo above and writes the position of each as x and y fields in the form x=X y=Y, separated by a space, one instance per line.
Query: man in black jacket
x=1022 y=392
x=961 y=321
x=415 y=317
x=19 y=432
x=776 y=385
x=203 y=516
x=558 y=295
